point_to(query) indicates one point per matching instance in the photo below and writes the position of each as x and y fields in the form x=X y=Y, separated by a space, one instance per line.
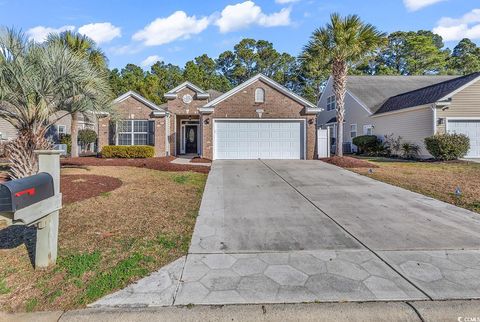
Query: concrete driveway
x=304 y=231
x=295 y=231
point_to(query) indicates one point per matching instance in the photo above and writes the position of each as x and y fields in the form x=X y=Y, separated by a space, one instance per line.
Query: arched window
x=259 y=95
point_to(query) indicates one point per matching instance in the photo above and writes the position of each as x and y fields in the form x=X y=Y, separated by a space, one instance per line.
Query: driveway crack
x=347 y=231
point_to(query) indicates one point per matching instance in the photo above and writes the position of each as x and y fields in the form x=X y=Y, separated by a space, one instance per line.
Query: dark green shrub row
x=448 y=146
x=366 y=143
x=128 y=151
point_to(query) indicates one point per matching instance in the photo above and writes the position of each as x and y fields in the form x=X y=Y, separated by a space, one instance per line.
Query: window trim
x=352 y=131
x=331 y=103
x=132 y=132
x=259 y=90
x=367 y=127
x=64 y=127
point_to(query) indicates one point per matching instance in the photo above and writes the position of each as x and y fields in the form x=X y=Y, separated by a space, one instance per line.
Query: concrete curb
x=367 y=311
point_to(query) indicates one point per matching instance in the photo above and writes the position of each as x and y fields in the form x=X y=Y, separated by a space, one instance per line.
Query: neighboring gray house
x=61 y=127
x=413 y=107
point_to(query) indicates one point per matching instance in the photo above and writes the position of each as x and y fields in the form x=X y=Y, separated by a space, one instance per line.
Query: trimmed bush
x=410 y=150
x=128 y=151
x=67 y=139
x=366 y=143
x=87 y=136
x=448 y=146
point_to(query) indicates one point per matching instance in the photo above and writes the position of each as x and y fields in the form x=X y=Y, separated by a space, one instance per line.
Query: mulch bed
x=83 y=186
x=349 y=162
x=200 y=160
x=161 y=164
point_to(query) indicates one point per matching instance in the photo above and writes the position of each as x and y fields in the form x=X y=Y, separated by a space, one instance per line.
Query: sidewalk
x=371 y=311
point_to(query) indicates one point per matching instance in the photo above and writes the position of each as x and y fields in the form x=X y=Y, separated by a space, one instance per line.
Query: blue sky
x=142 y=31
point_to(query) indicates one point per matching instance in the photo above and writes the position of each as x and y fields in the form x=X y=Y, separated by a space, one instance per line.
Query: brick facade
x=241 y=104
x=133 y=109
x=276 y=106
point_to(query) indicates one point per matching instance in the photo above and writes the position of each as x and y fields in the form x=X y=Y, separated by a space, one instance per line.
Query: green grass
x=31 y=304
x=77 y=264
x=167 y=242
x=4 y=289
x=118 y=276
x=181 y=178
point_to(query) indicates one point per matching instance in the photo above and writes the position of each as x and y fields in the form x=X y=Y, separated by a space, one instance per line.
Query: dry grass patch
x=106 y=242
x=435 y=179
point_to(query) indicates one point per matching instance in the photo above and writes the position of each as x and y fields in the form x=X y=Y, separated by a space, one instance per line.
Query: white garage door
x=253 y=139
x=470 y=128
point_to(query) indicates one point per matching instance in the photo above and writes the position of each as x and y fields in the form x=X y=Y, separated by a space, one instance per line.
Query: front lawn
x=435 y=179
x=126 y=231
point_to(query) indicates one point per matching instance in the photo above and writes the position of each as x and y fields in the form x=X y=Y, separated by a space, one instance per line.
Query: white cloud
x=101 y=32
x=40 y=33
x=467 y=26
x=414 y=5
x=150 y=60
x=286 y=1
x=176 y=26
x=242 y=15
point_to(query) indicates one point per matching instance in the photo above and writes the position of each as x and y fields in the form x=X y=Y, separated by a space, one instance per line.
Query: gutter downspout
x=434 y=109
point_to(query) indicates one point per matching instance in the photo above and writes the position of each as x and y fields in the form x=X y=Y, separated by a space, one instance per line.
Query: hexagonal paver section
x=219 y=261
x=286 y=275
x=220 y=280
x=257 y=288
x=249 y=266
x=347 y=269
x=191 y=293
x=421 y=271
x=329 y=286
x=307 y=264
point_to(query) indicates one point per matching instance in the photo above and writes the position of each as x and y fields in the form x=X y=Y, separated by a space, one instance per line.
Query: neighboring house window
x=331 y=103
x=259 y=95
x=353 y=130
x=61 y=130
x=132 y=132
x=368 y=130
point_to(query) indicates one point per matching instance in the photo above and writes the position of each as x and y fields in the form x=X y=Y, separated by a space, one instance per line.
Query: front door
x=191 y=139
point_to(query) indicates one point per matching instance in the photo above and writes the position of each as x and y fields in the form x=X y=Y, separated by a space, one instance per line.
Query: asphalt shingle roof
x=373 y=91
x=425 y=95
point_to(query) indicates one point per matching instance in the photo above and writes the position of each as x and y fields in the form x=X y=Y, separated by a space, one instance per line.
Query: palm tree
x=86 y=49
x=37 y=81
x=340 y=44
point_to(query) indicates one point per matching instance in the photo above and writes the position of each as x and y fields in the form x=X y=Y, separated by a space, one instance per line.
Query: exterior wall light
x=207 y=121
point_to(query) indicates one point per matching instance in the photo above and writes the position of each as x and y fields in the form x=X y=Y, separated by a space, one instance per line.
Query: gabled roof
x=172 y=94
x=373 y=91
x=270 y=82
x=140 y=98
x=428 y=95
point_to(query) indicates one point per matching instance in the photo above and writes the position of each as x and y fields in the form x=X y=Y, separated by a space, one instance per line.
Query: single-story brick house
x=257 y=119
x=412 y=107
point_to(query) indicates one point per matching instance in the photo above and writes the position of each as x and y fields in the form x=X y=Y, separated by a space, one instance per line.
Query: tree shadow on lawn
x=16 y=235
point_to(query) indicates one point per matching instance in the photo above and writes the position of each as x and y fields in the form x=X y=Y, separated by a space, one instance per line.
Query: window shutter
x=151 y=133
x=111 y=133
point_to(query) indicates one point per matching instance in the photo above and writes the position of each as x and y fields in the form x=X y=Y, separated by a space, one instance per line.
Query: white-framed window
x=132 y=132
x=259 y=95
x=331 y=103
x=368 y=129
x=61 y=129
x=353 y=130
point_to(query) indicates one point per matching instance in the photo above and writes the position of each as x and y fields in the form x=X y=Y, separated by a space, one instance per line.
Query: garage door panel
x=258 y=139
x=470 y=128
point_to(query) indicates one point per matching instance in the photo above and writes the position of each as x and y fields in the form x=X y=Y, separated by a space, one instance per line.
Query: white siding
x=413 y=126
x=355 y=113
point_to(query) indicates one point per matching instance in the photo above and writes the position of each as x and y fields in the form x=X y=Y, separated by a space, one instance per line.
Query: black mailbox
x=21 y=193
